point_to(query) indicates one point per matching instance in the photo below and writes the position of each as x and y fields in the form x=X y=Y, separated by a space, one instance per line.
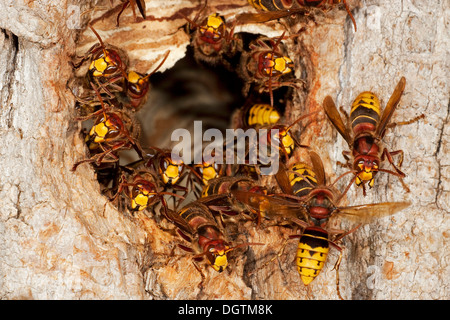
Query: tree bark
x=61 y=239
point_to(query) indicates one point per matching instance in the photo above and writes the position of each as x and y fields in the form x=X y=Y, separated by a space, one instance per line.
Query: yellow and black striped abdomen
x=271 y=5
x=261 y=114
x=312 y=253
x=215 y=186
x=197 y=214
x=365 y=112
x=210 y=189
x=302 y=179
x=188 y=213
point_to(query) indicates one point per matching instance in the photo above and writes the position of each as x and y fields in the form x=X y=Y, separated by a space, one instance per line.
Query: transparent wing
x=283 y=179
x=318 y=168
x=390 y=106
x=335 y=118
x=261 y=17
x=369 y=212
x=272 y=206
x=179 y=222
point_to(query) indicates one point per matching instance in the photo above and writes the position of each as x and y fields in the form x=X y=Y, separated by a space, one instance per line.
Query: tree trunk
x=62 y=239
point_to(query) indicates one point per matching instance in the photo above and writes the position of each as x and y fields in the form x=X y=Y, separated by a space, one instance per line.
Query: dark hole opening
x=191 y=91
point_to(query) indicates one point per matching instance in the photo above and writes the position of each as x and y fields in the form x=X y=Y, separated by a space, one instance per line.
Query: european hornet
x=143 y=191
x=264 y=116
x=137 y=87
x=261 y=114
x=206 y=172
x=313 y=212
x=284 y=139
x=108 y=70
x=209 y=170
x=113 y=130
x=198 y=226
x=218 y=195
x=171 y=171
x=368 y=127
x=132 y=95
x=265 y=65
x=252 y=115
x=166 y=172
x=107 y=66
x=302 y=179
x=224 y=185
x=213 y=41
x=273 y=144
x=276 y=9
x=271 y=5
